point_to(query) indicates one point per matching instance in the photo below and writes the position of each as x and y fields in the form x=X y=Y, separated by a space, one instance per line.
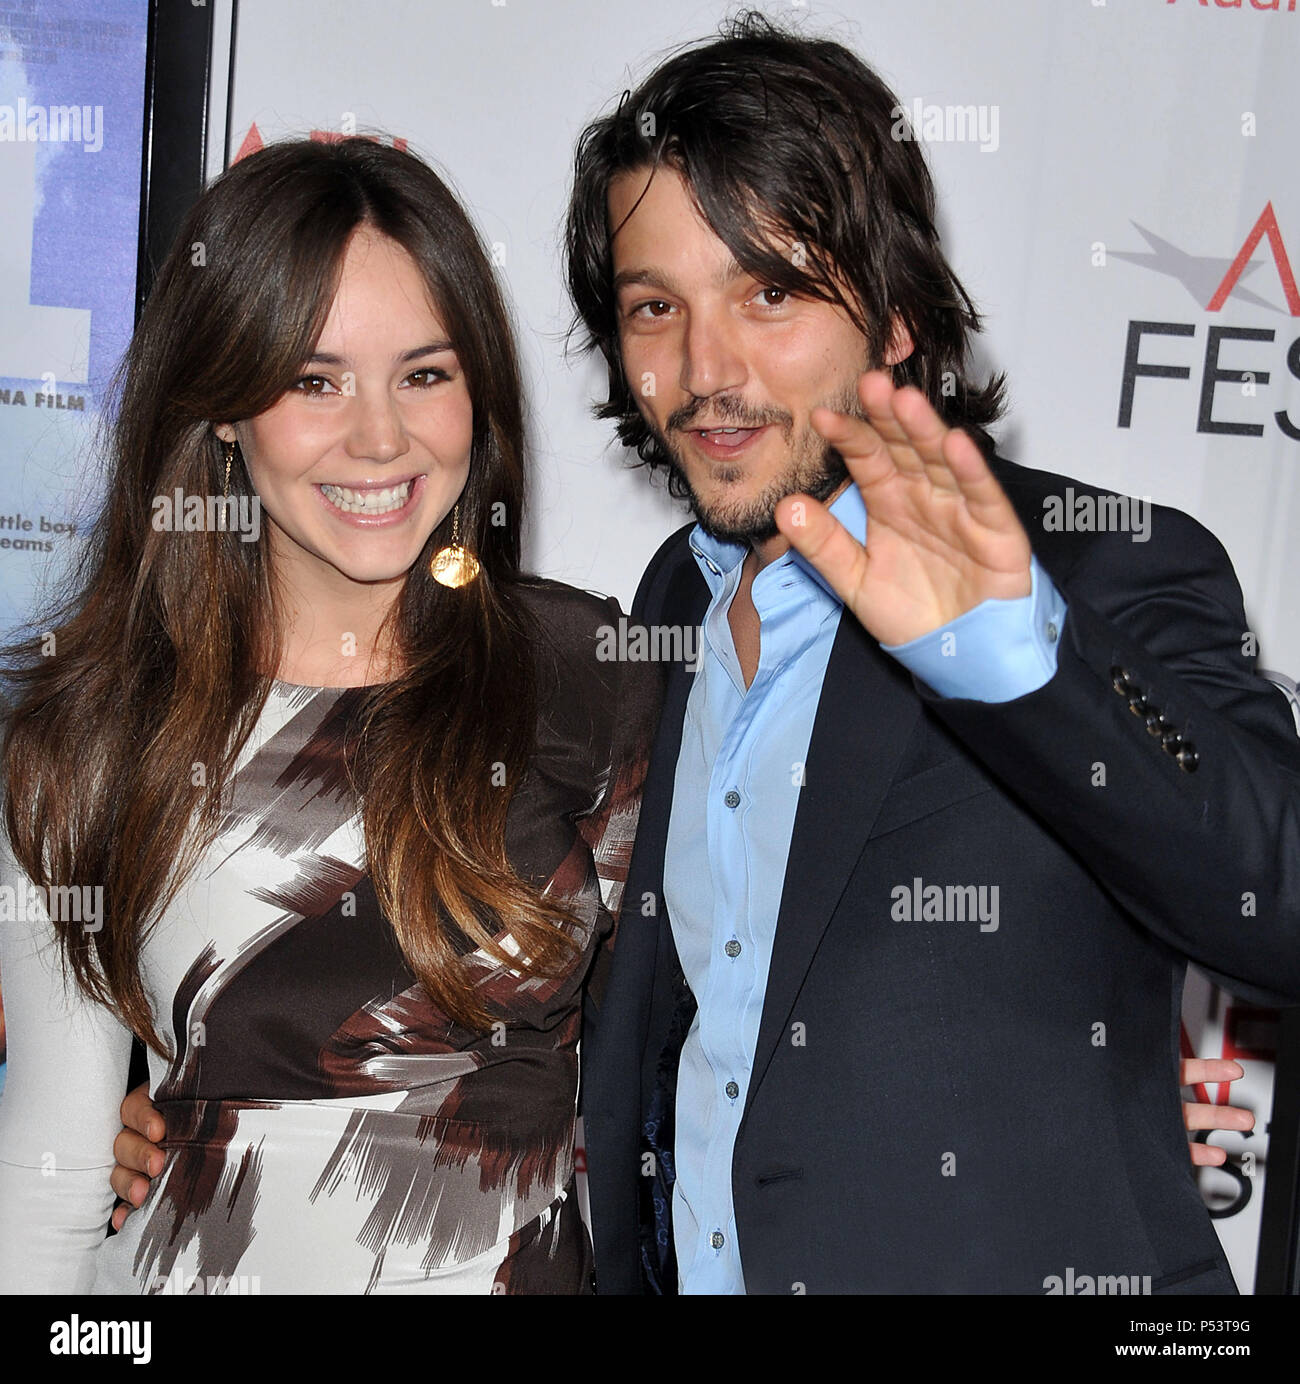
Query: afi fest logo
x=1211 y=282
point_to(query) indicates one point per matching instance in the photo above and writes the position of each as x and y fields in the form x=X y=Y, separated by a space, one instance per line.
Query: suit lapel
x=865 y=716
x=684 y=604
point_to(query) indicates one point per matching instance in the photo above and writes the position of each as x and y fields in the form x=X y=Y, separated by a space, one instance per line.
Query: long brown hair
x=166 y=643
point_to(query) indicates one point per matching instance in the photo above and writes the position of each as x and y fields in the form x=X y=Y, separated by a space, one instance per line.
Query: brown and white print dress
x=329 y=1130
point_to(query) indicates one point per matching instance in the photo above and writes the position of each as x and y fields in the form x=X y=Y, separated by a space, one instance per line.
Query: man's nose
x=711 y=362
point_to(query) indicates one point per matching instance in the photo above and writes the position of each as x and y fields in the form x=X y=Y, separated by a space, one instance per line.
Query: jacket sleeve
x=67 y=1071
x=1160 y=757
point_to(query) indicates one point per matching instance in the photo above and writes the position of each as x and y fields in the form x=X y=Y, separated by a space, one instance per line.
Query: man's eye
x=656 y=307
x=773 y=297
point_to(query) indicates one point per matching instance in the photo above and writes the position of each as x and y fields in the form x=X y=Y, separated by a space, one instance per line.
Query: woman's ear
x=225 y=431
x=901 y=344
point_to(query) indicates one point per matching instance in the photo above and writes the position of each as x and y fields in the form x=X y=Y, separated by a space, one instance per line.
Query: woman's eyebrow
x=432 y=349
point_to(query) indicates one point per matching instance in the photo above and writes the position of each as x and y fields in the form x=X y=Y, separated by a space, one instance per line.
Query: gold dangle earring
x=454 y=565
x=225 y=488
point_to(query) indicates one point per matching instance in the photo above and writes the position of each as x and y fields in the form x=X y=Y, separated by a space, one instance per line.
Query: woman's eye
x=312 y=384
x=429 y=375
x=773 y=297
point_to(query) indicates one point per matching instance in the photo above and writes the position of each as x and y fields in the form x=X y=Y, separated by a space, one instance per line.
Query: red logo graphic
x=253 y=140
x=1265 y=226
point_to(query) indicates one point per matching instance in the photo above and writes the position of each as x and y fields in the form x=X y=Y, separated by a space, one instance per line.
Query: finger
x=865 y=454
x=1207 y=1156
x=1195 y=1071
x=911 y=427
x=138 y=1154
x=130 y=1187
x=120 y=1213
x=815 y=532
x=1217 y=1117
x=950 y=457
x=138 y=1113
x=909 y=446
x=985 y=500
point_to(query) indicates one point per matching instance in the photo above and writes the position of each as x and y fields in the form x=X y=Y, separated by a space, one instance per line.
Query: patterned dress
x=329 y=1130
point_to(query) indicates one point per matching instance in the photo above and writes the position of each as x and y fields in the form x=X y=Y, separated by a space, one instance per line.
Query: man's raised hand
x=941 y=534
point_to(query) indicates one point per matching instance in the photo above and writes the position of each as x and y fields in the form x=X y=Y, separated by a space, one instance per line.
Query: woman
x=349 y=784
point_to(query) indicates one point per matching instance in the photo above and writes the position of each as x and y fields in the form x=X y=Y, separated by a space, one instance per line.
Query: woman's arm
x=67 y=1068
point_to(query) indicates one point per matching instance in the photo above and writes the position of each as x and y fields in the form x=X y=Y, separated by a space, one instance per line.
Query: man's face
x=724 y=368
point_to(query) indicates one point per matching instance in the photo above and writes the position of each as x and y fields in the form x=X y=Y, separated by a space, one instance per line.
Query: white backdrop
x=1138 y=143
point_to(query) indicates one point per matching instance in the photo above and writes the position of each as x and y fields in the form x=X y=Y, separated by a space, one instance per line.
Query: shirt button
x=1052 y=632
x=732 y=948
x=717 y=1239
x=732 y=798
x=732 y=1090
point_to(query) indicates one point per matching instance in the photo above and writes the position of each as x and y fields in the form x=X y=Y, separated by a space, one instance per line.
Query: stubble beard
x=812 y=467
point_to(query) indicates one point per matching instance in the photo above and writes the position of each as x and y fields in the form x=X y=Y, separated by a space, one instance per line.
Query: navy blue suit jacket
x=935 y=1108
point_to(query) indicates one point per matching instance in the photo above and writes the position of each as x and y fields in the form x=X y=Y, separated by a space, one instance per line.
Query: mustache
x=732 y=412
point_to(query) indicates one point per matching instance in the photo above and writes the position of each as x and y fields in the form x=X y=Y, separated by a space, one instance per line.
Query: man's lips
x=726 y=441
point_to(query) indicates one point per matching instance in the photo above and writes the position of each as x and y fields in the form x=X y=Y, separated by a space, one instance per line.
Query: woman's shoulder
x=568 y=620
x=564 y=607
x=584 y=665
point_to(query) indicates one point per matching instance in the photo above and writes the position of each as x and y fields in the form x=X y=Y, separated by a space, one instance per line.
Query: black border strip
x=173 y=159
x=178 y=65
x=1277 y=1269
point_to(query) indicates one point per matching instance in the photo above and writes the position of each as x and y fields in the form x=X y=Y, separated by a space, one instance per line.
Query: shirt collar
x=719 y=556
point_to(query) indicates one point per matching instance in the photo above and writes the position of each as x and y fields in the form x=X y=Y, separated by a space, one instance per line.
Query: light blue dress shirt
x=737 y=785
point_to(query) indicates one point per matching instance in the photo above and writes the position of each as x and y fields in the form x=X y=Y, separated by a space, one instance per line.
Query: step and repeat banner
x=1117 y=188
x=71 y=131
x=71 y=120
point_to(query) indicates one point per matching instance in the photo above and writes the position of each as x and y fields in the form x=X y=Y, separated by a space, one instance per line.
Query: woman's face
x=364 y=456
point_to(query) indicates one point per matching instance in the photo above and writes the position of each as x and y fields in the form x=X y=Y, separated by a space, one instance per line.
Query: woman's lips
x=360 y=518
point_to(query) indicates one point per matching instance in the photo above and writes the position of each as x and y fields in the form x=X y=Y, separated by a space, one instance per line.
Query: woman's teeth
x=367 y=501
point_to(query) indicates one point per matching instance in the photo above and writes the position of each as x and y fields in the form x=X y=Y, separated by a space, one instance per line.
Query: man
x=867 y=1096
x=894 y=1002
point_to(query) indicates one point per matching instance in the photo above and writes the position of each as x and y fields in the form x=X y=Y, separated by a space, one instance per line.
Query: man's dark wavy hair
x=784 y=138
